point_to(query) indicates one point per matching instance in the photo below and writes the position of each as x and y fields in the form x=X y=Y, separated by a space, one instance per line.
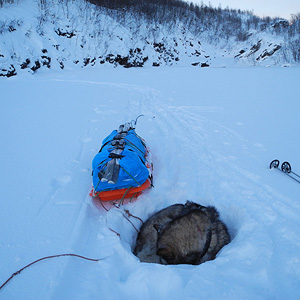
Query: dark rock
x=255 y=47
x=268 y=53
x=11 y=71
x=11 y=28
x=46 y=60
x=67 y=34
x=159 y=47
x=36 y=66
x=86 y=61
x=240 y=53
x=197 y=53
x=25 y=64
x=61 y=64
x=281 y=24
x=203 y=65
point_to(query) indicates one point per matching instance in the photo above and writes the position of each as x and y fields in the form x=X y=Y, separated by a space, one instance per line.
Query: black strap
x=114 y=155
x=207 y=244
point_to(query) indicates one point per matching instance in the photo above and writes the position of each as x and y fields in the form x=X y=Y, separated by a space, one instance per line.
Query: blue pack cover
x=133 y=171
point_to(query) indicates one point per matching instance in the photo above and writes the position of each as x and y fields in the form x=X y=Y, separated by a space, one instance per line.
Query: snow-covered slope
x=70 y=34
x=212 y=134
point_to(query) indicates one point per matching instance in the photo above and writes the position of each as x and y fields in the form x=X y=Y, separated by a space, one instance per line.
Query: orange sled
x=131 y=192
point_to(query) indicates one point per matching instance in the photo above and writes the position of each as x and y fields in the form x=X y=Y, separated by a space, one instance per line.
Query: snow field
x=212 y=134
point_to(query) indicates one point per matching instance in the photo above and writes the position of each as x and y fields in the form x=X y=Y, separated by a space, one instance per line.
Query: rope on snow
x=47 y=257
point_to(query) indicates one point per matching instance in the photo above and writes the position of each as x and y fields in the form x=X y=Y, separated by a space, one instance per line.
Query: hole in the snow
x=182 y=234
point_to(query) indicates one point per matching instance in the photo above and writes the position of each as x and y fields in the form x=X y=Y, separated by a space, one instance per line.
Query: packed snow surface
x=212 y=134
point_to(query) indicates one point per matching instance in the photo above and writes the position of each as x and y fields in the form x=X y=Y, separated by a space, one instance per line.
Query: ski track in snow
x=195 y=158
x=184 y=133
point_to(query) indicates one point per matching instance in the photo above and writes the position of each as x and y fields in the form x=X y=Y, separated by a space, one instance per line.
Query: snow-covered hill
x=77 y=34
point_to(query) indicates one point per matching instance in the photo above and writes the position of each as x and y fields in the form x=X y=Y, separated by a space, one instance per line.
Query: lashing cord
x=47 y=257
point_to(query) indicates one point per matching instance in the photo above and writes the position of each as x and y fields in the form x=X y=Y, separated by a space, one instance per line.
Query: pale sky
x=262 y=8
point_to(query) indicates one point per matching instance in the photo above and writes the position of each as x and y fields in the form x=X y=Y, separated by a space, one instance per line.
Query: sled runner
x=122 y=169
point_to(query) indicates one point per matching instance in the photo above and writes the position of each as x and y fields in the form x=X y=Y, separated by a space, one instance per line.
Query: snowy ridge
x=77 y=34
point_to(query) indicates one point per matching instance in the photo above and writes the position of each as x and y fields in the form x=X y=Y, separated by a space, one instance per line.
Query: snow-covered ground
x=212 y=133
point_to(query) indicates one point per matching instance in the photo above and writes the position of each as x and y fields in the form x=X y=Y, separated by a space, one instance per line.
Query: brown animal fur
x=189 y=234
x=193 y=237
x=145 y=248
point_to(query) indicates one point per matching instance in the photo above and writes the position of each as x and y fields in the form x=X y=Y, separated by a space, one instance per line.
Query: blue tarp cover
x=133 y=171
